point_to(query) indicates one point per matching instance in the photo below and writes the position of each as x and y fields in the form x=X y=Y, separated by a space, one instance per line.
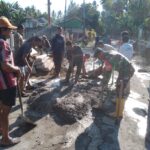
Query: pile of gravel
x=71 y=107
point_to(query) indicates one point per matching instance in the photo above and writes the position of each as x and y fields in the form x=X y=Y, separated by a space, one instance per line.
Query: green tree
x=124 y=14
x=12 y=11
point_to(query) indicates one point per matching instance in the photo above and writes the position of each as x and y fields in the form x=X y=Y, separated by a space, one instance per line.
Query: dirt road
x=67 y=118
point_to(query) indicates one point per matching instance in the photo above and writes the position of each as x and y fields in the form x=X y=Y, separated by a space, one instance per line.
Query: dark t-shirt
x=24 y=50
x=76 y=55
x=58 y=43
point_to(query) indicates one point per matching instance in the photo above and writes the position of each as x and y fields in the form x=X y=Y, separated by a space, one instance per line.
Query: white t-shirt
x=108 y=47
x=126 y=49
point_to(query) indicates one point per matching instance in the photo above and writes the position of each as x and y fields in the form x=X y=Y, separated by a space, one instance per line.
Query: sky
x=56 y=5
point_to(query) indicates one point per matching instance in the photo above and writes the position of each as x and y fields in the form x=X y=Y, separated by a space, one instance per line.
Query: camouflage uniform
x=121 y=64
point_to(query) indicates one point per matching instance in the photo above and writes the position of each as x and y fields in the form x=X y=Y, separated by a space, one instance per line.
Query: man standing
x=8 y=74
x=126 y=48
x=58 y=48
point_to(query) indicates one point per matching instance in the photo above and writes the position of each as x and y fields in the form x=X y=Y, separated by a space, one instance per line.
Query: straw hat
x=5 y=23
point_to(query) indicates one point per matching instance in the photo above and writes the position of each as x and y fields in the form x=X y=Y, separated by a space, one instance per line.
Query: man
x=126 y=48
x=114 y=61
x=58 y=48
x=22 y=60
x=8 y=74
x=104 y=47
x=75 y=58
x=18 y=38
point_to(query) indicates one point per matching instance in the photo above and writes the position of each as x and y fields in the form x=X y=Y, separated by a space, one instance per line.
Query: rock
x=43 y=63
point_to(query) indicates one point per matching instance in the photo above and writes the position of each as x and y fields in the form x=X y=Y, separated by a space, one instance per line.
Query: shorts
x=24 y=70
x=8 y=96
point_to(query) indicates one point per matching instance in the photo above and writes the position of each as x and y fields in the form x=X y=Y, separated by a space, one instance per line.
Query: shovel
x=23 y=117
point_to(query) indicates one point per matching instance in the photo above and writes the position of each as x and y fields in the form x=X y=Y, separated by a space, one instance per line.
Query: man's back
x=23 y=50
x=126 y=49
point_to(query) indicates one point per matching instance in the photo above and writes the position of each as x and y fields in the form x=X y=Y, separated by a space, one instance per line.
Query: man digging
x=115 y=61
x=75 y=58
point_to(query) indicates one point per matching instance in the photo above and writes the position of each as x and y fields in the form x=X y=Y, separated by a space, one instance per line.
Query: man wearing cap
x=8 y=74
x=114 y=61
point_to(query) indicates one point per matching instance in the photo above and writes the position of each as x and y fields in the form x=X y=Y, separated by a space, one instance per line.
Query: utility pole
x=84 y=16
x=49 y=12
x=65 y=14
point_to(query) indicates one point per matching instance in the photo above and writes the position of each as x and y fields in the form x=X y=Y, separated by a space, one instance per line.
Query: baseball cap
x=5 y=23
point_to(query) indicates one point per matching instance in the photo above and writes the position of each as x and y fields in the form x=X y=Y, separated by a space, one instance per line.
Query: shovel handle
x=20 y=98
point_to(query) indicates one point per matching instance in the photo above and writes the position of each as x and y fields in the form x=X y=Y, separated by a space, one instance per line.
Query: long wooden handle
x=20 y=98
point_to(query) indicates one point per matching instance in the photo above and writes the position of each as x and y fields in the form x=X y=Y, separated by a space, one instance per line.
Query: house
x=33 y=26
x=35 y=23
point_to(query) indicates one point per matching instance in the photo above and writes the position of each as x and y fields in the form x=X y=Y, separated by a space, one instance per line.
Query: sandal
x=11 y=142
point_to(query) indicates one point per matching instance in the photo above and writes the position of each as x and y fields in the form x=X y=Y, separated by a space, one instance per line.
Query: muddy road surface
x=76 y=117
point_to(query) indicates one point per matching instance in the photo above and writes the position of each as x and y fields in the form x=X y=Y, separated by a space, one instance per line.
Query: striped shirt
x=7 y=79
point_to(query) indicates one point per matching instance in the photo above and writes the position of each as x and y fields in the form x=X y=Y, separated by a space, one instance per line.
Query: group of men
x=18 y=69
x=112 y=60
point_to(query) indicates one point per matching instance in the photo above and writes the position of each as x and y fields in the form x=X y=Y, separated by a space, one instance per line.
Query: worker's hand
x=17 y=72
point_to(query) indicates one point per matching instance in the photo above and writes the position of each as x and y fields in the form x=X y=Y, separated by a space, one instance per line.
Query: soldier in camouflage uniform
x=114 y=61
